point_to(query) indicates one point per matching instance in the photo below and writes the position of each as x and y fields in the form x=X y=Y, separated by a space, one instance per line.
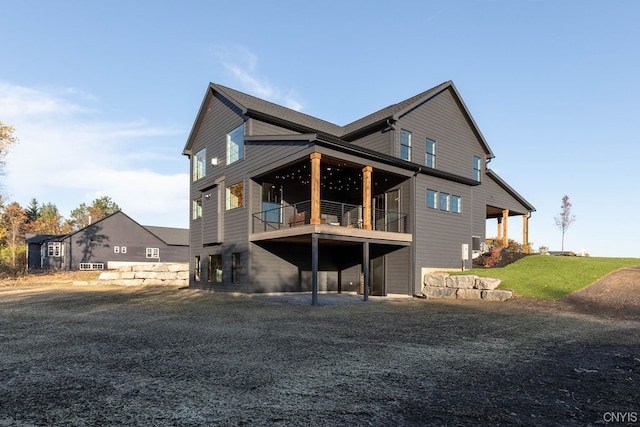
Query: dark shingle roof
x=169 y=235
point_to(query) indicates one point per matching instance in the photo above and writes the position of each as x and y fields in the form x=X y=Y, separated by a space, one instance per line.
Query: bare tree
x=565 y=219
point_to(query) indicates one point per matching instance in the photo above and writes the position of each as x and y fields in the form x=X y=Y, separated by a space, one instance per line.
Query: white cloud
x=242 y=64
x=70 y=153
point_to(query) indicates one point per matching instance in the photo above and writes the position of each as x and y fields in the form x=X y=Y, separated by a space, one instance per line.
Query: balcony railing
x=331 y=213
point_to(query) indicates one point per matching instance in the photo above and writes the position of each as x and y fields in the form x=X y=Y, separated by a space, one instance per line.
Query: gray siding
x=380 y=141
x=442 y=120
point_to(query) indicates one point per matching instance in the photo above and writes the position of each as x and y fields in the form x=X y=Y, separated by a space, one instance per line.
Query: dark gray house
x=282 y=201
x=107 y=244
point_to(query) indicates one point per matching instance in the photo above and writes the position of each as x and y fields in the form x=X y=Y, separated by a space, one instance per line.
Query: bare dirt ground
x=95 y=355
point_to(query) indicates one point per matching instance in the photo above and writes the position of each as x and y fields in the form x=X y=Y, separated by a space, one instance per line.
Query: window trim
x=54 y=249
x=236 y=267
x=477 y=168
x=215 y=275
x=444 y=201
x=435 y=198
x=458 y=204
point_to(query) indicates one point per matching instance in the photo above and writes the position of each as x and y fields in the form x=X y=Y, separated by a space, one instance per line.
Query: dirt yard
x=85 y=355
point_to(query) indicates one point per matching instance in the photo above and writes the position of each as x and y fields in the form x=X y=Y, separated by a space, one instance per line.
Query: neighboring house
x=106 y=244
x=282 y=201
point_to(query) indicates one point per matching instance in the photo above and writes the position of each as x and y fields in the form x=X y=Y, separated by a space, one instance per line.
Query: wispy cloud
x=70 y=152
x=242 y=64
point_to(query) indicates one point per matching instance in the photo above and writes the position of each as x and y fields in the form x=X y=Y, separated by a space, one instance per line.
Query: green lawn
x=552 y=277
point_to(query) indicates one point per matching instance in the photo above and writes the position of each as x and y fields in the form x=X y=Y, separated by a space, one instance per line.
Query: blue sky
x=104 y=93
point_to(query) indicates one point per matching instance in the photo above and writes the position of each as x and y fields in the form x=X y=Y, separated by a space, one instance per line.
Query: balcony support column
x=505 y=225
x=499 y=232
x=366 y=197
x=315 y=188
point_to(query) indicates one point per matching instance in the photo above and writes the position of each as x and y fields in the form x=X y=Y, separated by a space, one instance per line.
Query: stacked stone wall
x=161 y=274
x=444 y=285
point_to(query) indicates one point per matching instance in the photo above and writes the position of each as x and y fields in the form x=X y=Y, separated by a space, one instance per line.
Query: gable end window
x=235 y=145
x=430 y=157
x=199 y=164
x=477 y=168
x=405 y=145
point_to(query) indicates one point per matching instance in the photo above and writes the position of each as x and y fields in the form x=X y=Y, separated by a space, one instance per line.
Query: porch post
x=365 y=269
x=314 y=269
x=315 y=188
x=505 y=221
x=499 y=236
x=525 y=229
x=366 y=197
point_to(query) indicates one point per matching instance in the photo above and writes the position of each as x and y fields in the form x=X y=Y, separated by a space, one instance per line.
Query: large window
x=197 y=208
x=432 y=199
x=236 y=267
x=54 y=249
x=200 y=164
x=215 y=269
x=235 y=196
x=405 y=145
x=153 y=253
x=235 y=144
x=477 y=168
x=430 y=157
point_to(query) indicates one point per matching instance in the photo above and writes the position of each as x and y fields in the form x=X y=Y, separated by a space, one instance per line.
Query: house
x=283 y=201
x=113 y=241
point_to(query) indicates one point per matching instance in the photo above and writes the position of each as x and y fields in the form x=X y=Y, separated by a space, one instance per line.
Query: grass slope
x=552 y=277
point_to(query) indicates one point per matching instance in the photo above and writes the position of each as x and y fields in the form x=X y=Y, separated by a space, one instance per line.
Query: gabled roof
x=304 y=123
x=171 y=236
x=506 y=187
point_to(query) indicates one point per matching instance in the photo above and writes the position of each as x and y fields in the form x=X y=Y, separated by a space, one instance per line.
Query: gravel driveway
x=72 y=355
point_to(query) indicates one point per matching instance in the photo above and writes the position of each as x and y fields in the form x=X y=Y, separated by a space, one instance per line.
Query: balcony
x=333 y=214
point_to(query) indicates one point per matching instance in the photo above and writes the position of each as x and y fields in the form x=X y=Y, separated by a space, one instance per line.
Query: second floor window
x=235 y=196
x=405 y=145
x=197 y=208
x=477 y=168
x=430 y=157
x=235 y=145
x=199 y=164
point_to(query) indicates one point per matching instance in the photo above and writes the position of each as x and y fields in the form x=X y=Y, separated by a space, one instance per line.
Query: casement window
x=235 y=196
x=196 y=268
x=432 y=199
x=477 y=168
x=153 y=253
x=235 y=145
x=444 y=201
x=405 y=144
x=430 y=156
x=197 y=208
x=456 y=204
x=236 y=267
x=214 y=273
x=200 y=164
x=54 y=249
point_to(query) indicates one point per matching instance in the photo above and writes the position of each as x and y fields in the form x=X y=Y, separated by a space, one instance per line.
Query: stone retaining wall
x=175 y=274
x=443 y=285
